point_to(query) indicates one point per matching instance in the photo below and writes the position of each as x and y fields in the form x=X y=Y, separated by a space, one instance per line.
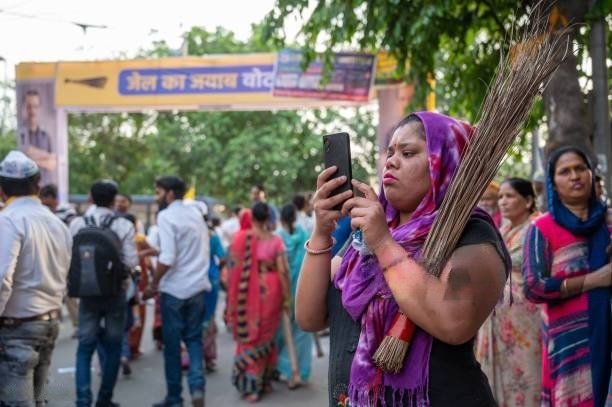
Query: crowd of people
x=520 y=315
x=52 y=257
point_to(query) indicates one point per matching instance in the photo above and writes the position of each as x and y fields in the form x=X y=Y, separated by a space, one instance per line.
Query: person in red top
x=257 y=291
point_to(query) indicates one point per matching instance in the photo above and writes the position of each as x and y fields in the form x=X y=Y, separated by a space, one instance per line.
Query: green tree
x=458 y=41
x=8 y=139
x=108 y=146
x=8 y=142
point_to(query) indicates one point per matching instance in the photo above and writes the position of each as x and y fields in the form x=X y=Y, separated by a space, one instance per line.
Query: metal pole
x=601 y=119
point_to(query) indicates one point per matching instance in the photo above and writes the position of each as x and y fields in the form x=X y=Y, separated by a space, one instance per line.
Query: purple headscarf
x=365 y=294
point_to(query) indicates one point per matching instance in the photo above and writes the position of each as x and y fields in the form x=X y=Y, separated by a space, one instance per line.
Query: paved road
x=147 y=385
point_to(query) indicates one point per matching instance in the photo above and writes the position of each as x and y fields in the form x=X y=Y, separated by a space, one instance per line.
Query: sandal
x=252 y=398
x=294 y=383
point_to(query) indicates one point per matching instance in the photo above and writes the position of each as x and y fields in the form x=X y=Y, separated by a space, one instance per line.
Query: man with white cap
x=35 y=251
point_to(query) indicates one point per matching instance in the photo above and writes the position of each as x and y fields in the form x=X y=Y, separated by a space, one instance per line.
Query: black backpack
x=96 y=269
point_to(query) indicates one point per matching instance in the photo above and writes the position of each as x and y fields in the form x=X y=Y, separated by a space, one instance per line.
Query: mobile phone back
x=337 y=151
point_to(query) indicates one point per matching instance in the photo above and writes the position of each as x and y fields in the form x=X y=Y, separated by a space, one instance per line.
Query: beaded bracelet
x=321 y=251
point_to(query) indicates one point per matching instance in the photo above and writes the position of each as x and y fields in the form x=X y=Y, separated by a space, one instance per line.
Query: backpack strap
x=90 y=221
x=108 y=221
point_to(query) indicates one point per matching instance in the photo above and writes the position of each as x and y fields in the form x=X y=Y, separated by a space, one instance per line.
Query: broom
x=295 y=372
x=520 y=76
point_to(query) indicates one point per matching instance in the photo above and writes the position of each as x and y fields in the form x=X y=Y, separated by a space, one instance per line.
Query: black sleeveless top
x=455 y=377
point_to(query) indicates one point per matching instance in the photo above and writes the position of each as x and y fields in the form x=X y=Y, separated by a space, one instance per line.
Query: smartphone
x=337 y=151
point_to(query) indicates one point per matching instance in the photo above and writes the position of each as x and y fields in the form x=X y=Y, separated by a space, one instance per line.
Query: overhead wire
x=83 y=26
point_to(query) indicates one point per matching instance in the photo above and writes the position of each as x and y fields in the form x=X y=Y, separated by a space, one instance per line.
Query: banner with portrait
x=37 y=126
x=48 y=91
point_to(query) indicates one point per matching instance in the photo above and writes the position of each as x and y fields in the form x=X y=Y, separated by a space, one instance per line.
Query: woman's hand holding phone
x=368 y=215
x=324 y=203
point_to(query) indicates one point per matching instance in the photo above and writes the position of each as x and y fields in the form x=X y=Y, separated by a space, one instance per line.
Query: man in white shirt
x=49 y=197
x=102 y=319
x=181 y=278
x=34 y=261
x=230 y=226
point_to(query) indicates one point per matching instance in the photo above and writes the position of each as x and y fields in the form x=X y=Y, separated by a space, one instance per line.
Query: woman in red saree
x=256 y=292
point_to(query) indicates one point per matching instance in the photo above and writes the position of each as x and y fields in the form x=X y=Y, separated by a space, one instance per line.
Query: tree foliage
x=457 y=41
x=224 y=153
x=8 y=139
x=8 y=142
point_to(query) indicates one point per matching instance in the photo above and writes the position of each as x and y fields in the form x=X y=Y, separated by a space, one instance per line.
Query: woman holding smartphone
x=359 y=295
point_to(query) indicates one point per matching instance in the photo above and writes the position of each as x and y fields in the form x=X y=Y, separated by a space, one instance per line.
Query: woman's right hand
x=325 y=214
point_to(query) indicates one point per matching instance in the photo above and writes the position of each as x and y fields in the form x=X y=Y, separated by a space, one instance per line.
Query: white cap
x=17 y=165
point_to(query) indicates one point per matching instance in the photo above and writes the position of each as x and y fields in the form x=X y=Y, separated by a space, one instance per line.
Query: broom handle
x=317 y=341
x=289 y=343
x=402 y=328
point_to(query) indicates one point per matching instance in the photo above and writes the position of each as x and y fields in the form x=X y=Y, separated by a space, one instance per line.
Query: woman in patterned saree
x=509 y=346
x=256 y=293
x=566 y=268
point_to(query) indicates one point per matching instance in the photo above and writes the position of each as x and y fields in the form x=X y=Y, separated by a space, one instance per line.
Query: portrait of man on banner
x=36 y=122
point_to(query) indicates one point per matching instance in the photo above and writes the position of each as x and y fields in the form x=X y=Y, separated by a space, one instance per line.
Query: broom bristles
x=390 y=354
x=519 y=78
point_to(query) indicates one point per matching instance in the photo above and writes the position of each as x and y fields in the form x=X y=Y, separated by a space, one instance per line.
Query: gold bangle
x=564 y=291
x=319 y=251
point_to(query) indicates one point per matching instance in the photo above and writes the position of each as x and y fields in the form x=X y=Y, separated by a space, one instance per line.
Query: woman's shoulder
x=278 y=242
x=239 y=238
x=282 y=233
x=302 y=233
x=545 y=222
x=216 y=244
x=479 y=231
x=214 y=238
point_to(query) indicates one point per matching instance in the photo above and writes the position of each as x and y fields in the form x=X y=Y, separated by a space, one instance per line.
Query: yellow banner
x=171 y=82
x=224 y=82
x=214 y=82
x=34 y=71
